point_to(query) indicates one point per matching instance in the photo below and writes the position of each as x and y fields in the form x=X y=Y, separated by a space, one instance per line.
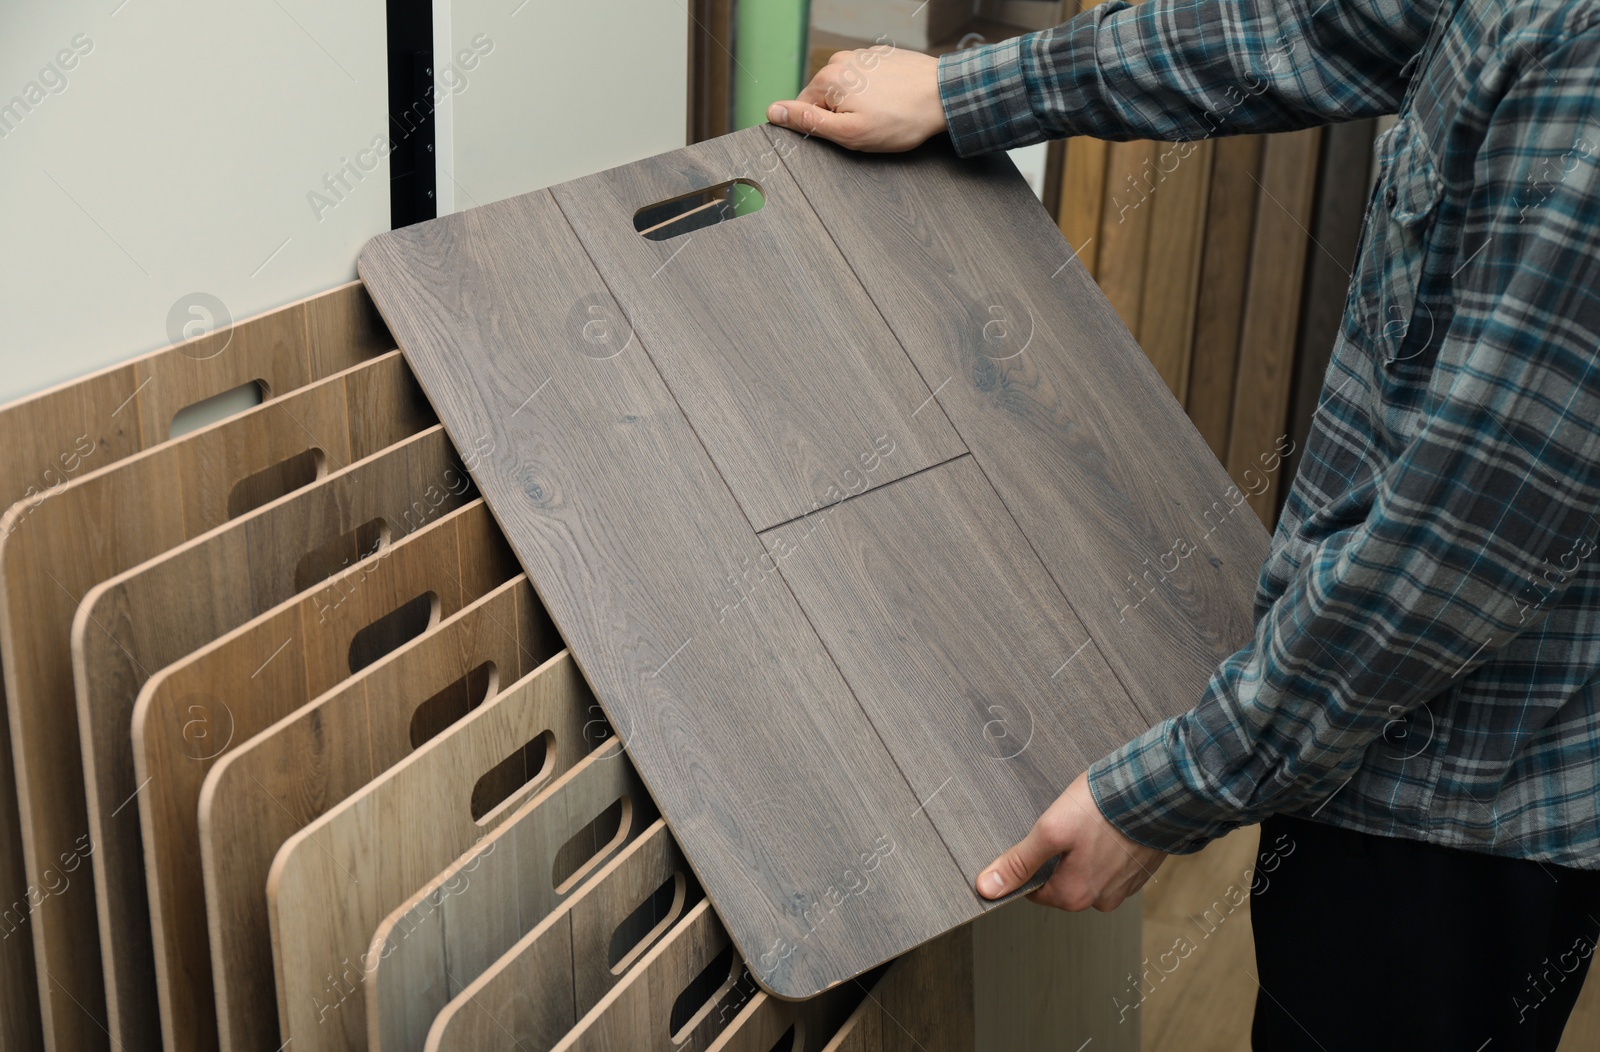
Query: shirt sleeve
x=1185 y=69
x=1500 y=479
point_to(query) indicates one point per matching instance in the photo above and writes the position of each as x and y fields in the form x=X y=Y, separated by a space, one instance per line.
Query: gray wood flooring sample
x=836 y=502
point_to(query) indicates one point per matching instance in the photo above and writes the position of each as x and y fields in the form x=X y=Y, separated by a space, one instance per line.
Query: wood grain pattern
x=272 y=785
x=634 y=543
x=963 y=652
x=1224 y=269
x=88 y=423
x=152 y=614
x=94 y=526
x=455 y=926
x=637 y=1012
x=1272 y=317
x=239 y=685
x=781 y=427
x=1172 y=275
x=334 y=881
x=1083 y=442
x=560 y=969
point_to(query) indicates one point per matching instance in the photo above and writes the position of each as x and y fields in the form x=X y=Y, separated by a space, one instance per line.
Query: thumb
x=1011 y=870
x=807 y=119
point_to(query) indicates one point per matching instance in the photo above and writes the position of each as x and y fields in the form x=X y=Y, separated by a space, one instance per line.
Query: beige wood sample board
x=455 y=926
x=269 y=787
x=735 y=499
x=334 y=881
x=554 y=974
x=57 y=436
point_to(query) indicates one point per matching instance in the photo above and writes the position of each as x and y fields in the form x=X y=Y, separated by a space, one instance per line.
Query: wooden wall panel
x=1224 y=271
x=1272 y=317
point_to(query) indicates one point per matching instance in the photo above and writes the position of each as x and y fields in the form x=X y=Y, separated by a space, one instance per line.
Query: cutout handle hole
x=677 y=216
x=648 y=922
x=701 y=995
x=452 y=702
x=393 y=630
x=347 y=549
x=270 y=483
x=208 y=411
x=523 y=767
x=589 y=846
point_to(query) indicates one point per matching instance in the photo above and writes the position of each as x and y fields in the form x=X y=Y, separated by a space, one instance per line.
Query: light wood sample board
x=866 y=519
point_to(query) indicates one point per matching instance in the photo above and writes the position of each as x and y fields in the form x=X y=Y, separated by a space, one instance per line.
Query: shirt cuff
x=984 y=91
x=1149 y=790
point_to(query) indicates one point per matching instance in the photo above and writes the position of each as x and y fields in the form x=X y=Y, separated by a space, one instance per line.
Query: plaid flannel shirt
x=1426 y=656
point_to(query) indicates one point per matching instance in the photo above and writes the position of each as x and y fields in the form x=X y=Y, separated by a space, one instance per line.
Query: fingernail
x=993 y=883
x=778 y=114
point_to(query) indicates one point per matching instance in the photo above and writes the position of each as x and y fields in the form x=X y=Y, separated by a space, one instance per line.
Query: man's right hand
x=880 y=99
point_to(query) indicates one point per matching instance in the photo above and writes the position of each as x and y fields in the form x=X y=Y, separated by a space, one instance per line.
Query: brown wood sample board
x=333 y=882
x=90 y=528
x=865 y=517
x=455 y=927
x=239 y=684
x=128 y=628
x=268 y=788
x=54 y=438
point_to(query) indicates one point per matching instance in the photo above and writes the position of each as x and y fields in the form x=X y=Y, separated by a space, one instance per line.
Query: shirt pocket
x=1399 y=326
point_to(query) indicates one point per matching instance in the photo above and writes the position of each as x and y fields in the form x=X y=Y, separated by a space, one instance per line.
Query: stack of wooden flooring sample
x=295 y=757
x=847 y=488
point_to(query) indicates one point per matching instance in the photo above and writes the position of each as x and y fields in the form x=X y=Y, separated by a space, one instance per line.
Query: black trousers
x=1369 y=943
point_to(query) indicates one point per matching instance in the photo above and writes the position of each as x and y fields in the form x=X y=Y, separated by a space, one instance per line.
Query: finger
x=1012 y=869
x=842 y=128
x=1062 y=891
x=816 y=91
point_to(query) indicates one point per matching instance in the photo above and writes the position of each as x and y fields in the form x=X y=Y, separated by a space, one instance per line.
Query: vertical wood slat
x=1125 y=225
x=1177 y=239
x=1224 y=271
x=1272 y=316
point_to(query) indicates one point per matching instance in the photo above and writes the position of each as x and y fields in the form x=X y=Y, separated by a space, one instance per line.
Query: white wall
x=176 y=158
x=560 y=89
x=180 y=155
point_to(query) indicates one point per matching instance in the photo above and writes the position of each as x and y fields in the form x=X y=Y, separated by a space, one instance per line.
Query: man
x=1415 y=721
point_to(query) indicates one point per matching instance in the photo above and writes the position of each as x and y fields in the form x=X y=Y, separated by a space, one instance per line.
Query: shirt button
x=1391 y=197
